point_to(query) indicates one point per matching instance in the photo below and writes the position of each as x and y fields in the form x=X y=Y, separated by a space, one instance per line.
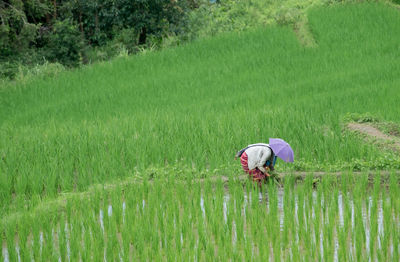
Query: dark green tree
x=65 y=43
x=57 y=30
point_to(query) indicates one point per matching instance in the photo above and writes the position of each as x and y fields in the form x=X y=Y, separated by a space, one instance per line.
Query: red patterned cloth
x=256 y=173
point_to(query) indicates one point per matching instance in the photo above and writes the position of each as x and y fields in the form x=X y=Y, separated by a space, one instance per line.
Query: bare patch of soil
x=373 y=132
x=393 y=129
x=369 y=130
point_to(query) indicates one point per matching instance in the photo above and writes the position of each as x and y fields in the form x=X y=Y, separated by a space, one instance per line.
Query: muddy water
x=248 y=198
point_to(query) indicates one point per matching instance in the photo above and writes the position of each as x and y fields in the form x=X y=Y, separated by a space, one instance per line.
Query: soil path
x=303 y=33
x=375 y=133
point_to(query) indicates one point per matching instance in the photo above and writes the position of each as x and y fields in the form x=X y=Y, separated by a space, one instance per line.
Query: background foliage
x=64 y=31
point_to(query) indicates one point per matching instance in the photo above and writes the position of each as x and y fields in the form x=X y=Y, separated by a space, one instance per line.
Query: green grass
x=189 y=109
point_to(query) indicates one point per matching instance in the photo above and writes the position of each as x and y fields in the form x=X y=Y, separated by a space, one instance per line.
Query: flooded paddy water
x=198 y=222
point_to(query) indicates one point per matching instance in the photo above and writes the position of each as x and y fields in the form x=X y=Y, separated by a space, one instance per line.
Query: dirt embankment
x=370 y=131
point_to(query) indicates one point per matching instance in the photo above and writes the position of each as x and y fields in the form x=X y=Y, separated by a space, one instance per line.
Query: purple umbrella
x=281 y=149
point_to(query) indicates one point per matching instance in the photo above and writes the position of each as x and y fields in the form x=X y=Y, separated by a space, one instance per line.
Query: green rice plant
x=87 y=238
x=116 y=200
x=394 y=190
x=140 y=240
x=288 y=215
x=62 y=238
x=374 y=216
x=342 y=239
x=48 y=250
x=317 y=221
x=10 y=232
x=395 y=241
x=23 y=234
x=330 y=221
x=126 y=240
x=168 y=236
x=311 y=232
x=230 y=206
x=75 y=234
x=345 y=237
x=2 y=256
x=112 y=246
x=358 y=232
x=98 y=237
x=36 y=246
x=301 y=225
x=394 y=193
x=240 y=224
x=274 y=221
x=386 y=237
x=324 y=204
x=105 y=204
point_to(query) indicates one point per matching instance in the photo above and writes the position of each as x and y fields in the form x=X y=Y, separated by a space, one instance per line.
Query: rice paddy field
x=189 y=220
x=123 y=160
